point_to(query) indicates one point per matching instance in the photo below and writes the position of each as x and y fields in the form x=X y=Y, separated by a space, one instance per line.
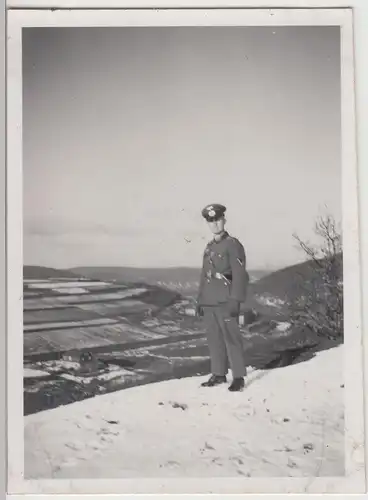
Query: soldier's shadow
x=288 y=358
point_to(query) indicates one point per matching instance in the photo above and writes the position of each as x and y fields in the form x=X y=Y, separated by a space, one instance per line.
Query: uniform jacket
x=226 y=257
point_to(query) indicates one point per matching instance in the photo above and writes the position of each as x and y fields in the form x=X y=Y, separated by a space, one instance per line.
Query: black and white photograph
x=185 y=312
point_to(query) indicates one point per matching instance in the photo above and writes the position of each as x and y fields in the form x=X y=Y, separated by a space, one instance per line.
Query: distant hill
x=183 y=279
x=135 y=274
x=40 y=272
x=284 y=283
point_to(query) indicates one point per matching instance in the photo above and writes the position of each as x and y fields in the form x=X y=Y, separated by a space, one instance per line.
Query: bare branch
x=317 y=301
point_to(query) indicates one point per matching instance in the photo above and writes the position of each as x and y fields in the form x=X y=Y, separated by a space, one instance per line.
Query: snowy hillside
x=288 y=422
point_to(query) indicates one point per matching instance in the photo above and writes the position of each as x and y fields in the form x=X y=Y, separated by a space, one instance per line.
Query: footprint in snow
x=107 y=432
x=183 y=406
x=172 y=463
x=74 y=446
x=208 y=446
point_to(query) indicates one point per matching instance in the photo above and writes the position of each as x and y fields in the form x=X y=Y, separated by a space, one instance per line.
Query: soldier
x=222 y=289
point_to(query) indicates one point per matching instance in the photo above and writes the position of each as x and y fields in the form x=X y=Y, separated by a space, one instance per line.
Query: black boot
x=237 y=385
x=214 y=380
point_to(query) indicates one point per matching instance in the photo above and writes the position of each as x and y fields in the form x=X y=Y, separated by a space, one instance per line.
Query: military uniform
x=223 y=287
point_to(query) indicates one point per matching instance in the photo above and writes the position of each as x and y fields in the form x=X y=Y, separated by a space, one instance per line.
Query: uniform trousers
x=224 y=341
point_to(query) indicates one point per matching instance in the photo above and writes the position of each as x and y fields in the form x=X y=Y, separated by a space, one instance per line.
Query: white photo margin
x=354 y=481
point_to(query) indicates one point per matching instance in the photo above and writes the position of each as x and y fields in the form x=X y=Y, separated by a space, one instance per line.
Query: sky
x=129 y=132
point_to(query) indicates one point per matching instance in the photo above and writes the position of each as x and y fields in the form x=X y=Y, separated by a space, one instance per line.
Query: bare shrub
x=317 y=299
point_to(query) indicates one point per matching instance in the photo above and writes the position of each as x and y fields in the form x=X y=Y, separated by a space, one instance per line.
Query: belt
x=219 y=276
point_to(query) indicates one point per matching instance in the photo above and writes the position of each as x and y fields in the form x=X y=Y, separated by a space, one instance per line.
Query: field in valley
x=85 y=336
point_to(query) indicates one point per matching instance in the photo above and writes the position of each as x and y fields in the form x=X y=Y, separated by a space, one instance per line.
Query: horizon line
x=268 y=268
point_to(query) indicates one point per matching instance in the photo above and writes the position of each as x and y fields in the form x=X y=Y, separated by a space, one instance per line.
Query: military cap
x=213 y=212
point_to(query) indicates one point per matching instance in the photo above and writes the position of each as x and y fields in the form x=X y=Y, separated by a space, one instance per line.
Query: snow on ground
x=271 y=301
x=287 y=422
x=283 y=326
x=72 y=290
x=64 y=284
x=33 y=373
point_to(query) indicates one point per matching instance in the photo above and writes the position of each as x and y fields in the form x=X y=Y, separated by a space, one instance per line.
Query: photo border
x=181 y=4
x=354 y=482
x=3 y=426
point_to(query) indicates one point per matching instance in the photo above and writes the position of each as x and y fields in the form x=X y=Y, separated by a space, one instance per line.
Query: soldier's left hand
x=233 y=307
